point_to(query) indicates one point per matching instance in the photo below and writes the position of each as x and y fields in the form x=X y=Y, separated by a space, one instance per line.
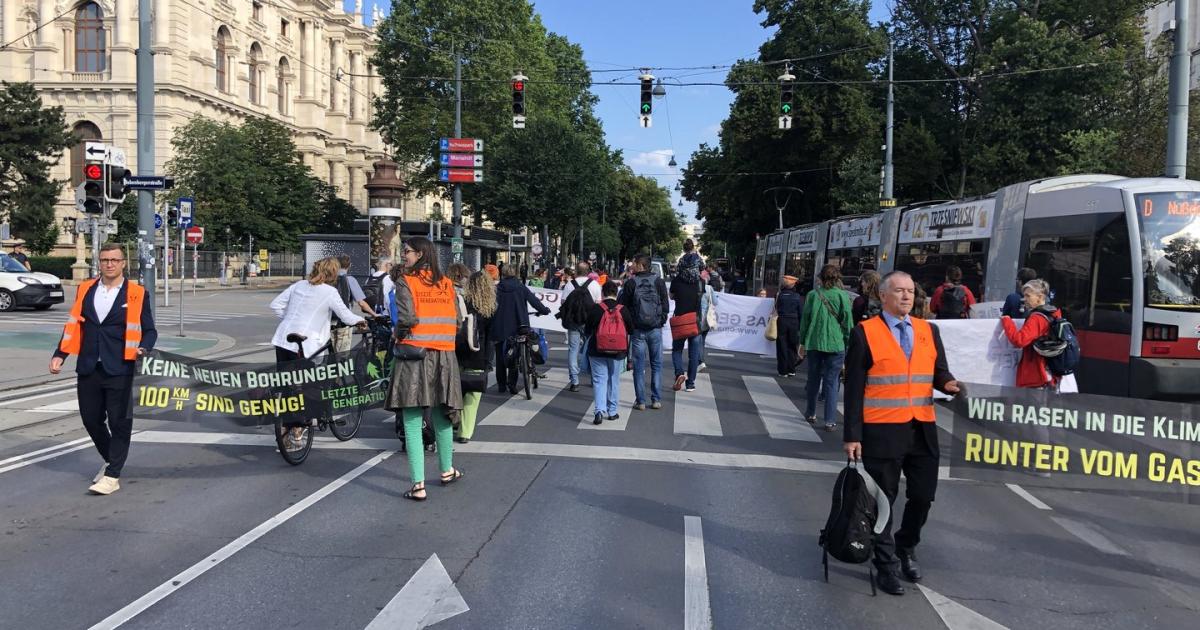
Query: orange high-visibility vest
x=899 y=389
x=135 y=294
x=437 y=318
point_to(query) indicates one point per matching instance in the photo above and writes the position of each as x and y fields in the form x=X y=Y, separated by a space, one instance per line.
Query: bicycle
x=523 y=340
x=343 y=429
x=377 y=339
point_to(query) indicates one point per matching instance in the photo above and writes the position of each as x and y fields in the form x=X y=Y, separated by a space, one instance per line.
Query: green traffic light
x=786 y=107
x=645 y=108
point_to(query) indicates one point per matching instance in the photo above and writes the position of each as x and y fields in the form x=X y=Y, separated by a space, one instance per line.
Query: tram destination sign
x=970 y=220
x=862 y=232
x=775 y=244
x=802 y=240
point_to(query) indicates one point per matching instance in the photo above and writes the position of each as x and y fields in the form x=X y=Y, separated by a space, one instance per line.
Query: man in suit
x=893 y=364
x=111 y=325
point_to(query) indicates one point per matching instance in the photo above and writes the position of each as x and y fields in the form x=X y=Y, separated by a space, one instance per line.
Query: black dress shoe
x=889 y=583
x=574 y=387
x=599 y=418
x=909 y=566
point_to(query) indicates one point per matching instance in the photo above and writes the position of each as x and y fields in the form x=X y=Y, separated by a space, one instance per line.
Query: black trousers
x=505 y=377
x=920 y=468
x=787 y=344
x=106 y=407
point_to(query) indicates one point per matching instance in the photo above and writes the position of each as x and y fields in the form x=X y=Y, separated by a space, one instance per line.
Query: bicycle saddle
x=296 y=338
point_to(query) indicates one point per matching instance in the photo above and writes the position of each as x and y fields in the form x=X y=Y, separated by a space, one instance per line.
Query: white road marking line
x=44 y=450
x=1089 y=535
x=43 y=458
x=224 y=553
x=427 y=598
x=697 y=614
x=63 y=406
x=39 y=396
x=955 y=615
x=33 y=389
x=727 y=355
x=696 y=412
x=1024 y=494
x=518 y=411
x=625 y=400
x=781 y=418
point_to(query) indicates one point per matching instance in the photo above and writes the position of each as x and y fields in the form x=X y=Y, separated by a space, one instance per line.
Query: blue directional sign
x=148 y=182
x=157 y=221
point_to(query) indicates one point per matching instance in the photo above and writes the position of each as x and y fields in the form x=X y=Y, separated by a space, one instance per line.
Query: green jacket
x=819 y=329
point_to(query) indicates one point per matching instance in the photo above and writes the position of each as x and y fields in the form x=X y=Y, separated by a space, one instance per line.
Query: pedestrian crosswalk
x=165 y=316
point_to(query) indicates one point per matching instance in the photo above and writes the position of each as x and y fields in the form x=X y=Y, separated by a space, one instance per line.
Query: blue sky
x=659 y=33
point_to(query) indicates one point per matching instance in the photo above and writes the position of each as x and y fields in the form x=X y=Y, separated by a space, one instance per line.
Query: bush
x=57 y=265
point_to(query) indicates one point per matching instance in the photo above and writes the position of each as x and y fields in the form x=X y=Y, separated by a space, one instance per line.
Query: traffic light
x=93 y=188
x=518 y=93
x=172 y=217
x=647 y=95
x=116 y=183
x=786 y=95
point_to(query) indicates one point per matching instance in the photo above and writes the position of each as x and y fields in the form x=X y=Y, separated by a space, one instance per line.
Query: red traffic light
x=518 y=86
x=93 y=171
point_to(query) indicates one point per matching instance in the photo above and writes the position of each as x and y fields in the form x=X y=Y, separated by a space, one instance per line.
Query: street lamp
x=660 y=91
x=672 y=163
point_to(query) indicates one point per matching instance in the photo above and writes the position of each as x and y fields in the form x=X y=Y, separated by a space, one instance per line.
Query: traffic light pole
x=457 y=218
x=887 y=133
x=145 y=146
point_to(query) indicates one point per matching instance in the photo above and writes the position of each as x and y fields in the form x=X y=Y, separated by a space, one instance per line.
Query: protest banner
x=1077 y=442
x=174 y=387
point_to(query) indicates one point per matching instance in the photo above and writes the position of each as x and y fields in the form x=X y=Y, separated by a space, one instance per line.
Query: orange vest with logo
x=135 y=295
x=899 y=389
x=437 y=318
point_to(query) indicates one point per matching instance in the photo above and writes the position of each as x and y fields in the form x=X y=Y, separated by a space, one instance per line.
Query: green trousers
x=470 y=411
x=443 y=435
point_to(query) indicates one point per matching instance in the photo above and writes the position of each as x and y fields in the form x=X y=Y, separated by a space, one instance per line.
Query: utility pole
x=1177 y=118
x=888 y=201
x=145 y=145
x=458 y=226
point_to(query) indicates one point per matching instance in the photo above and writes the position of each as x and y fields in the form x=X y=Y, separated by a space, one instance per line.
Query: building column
x=46 y=11
x=162 y=23
x=8 y=29
x=123 y=25
x=335 y=63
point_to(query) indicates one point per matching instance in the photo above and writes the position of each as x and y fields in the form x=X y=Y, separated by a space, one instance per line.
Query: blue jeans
x=695 y=346
x=577 y=360
x=647 y=342
x=606 y=384
x=824 y=370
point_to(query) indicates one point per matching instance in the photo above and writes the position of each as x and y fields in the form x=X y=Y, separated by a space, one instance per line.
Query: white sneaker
x=701 y=367
x=100 y=475
x=106 y=485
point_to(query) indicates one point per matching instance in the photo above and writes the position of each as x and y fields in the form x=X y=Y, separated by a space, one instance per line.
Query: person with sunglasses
x=110 y=326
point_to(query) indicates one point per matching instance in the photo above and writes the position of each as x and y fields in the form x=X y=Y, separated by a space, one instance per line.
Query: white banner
x=978 y=352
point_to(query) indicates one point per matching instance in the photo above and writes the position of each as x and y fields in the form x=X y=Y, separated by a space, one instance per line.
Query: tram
x=805 y=246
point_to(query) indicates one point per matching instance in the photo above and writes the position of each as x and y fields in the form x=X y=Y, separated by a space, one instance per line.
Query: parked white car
x=20 y=287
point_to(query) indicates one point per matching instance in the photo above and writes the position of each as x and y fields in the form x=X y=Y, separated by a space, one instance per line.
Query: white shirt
x=104 y=298
x=593 y=288
x=306 y=310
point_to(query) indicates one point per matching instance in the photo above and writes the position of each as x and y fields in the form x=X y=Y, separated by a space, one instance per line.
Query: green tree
x=337 y=216
x=32 y=139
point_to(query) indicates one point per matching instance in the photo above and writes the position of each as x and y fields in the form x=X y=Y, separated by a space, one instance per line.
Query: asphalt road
x=702 y=514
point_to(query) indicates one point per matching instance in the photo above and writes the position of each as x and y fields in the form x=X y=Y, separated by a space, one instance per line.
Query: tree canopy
x=32 y=140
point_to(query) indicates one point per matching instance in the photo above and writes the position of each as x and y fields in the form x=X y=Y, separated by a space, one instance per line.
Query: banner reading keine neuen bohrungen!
x=1077 y=441
x=175 y=387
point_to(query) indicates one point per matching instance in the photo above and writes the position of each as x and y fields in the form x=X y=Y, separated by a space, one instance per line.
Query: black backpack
x=343 y=289
x=647 y=312
x=849 y=532
x=574 y=310
x=954 y=302
x=373 y=291
x=1060 y=346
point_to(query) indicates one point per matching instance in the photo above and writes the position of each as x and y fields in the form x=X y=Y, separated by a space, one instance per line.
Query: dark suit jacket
x=103 y=342
x=883 y=440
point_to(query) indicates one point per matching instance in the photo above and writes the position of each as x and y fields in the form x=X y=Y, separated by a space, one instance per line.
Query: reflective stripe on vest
x=135 y=294
x=437 y=318
x=899 y=389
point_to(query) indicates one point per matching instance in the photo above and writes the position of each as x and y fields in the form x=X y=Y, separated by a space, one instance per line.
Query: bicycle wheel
x=526 y=369
x=345 y=426
x=293 y=457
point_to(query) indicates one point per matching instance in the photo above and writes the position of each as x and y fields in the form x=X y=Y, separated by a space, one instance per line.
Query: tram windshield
x=1170 y=225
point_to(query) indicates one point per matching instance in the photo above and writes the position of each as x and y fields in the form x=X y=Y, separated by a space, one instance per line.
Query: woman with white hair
x=1032 y=370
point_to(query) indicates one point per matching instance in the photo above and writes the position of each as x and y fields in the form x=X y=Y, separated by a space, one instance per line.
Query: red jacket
x=1031 y=371
x=935 y=301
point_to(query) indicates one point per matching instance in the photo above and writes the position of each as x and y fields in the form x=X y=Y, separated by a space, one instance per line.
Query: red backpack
x=611 y=337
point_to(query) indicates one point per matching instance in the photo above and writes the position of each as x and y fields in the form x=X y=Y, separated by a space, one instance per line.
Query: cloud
x=656 y=159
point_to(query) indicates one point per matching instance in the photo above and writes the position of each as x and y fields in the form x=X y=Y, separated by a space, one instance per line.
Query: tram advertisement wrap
x=1077 y=442
x=174 y=387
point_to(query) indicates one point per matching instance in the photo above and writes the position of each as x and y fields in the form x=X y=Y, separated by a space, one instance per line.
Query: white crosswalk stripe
x=165 y=316
x=625 y=397
x=696 y=412
x=781 y=417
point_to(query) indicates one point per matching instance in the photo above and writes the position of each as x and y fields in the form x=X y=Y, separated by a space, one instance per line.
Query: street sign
x=537 y=249
x=95 y=150
x=460 y=175
x=157 y=221
x=194 y=235
x=464 y=160
x=185 y=212
x=592 y=256
x=456 y=246
x=518 y=122
x=785 y=122
x=645 y=120
x=461 y=145
x=148 y=182
x=116 y=156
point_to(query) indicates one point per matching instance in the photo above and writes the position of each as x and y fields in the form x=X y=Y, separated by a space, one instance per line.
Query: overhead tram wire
x=39 y=26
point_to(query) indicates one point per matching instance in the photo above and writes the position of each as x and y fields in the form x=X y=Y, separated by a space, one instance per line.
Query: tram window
x=853 y=262
x=1065 y=263
x=1113 y=276
x=801 y=265
x=927 y=263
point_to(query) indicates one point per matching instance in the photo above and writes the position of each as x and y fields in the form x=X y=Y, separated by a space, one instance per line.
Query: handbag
x=684 y=326
x=406 y=352
x=772 y=332
x=474 y=380
x=710 y=318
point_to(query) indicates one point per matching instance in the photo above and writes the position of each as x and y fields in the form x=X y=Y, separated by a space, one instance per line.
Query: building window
x=304 y=89
x=222 y=59
x=281 y=85
x=84 y=131
x=256 y=11
x=89 y=38
x=283 y=27
x=255 y=56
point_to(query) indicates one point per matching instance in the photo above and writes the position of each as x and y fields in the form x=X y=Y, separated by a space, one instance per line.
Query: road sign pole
x=182 y=269
x=145 y=144
x=95 y=246
x=458 y=227
x=166 y=260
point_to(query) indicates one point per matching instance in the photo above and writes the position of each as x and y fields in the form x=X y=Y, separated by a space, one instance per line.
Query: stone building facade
x=304 y=63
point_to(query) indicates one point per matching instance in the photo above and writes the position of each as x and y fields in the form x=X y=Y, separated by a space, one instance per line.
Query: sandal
x=812 y=420
x=454 y=475
x=831 y=427
x=411 y=494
